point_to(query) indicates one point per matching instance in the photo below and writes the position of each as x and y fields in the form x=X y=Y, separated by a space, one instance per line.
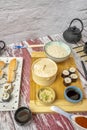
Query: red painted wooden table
x=40 y=121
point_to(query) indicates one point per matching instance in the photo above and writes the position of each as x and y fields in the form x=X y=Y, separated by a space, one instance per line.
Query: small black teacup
x=23 y=115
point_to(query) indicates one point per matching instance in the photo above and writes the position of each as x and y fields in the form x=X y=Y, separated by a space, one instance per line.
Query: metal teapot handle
x=79 y=21
x=3 y=45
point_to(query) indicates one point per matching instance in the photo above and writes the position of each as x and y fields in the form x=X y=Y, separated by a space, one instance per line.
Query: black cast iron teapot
x=73 y=34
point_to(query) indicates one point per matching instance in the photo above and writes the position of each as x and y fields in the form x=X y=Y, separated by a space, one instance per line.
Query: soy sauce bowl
x=73 y=94
x=23 y=115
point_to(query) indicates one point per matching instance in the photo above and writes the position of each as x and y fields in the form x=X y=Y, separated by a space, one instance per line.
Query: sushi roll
x=67 y=81
x=6 y=97
x=8 y=88
x=3 y=81
x=65 y=73
x=1 y=74
x=74 y=77
x=72 y=70
x=2 y=64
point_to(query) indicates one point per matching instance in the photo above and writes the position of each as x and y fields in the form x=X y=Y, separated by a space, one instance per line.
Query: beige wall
x=23 y=19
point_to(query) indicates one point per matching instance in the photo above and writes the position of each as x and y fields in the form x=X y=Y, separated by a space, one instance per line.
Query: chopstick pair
x=84 y=69
x=29 y=46
x=81 y=73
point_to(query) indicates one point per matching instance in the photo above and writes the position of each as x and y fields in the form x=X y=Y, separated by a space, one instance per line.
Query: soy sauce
x=23 y=115
x=73 y=95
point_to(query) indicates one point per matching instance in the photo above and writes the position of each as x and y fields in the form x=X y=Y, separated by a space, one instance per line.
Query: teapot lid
x=76 y=30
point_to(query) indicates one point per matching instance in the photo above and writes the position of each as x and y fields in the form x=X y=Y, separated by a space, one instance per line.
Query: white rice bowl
x=57 y=51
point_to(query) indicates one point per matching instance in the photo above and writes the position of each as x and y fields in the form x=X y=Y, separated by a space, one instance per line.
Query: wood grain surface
x=34 y=20
x=40 y=121
x=59 y=88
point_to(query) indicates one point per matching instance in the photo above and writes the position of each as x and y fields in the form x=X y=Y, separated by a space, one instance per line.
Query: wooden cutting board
x=59 y=87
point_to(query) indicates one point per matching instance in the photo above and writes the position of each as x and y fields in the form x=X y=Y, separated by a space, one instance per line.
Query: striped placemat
x=80 y=51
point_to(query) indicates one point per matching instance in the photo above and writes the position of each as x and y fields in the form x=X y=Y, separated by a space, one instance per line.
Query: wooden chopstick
x=81 y=74
x=84 y=68
x=38 y=45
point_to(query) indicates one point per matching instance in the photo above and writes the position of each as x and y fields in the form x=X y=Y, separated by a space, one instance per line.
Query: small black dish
x=23 y=115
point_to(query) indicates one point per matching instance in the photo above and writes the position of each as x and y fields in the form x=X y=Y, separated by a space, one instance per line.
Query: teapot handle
x=79 y=21
x=3 y=46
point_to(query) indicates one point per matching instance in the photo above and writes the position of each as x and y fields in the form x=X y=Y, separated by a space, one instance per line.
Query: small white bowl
x=77 y=126
x=57 y=51
x=46 y=95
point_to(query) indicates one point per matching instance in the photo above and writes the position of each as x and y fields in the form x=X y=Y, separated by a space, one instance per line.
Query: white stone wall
x=23 y=19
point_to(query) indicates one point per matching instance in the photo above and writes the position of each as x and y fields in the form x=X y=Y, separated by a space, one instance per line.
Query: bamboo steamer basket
x=44 y=71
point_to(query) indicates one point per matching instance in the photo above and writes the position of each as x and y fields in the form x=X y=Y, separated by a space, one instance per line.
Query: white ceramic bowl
x=77 y=126
x=57 y=51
